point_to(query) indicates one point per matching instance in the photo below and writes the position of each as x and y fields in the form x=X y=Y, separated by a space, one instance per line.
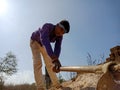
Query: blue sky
x=95 y=28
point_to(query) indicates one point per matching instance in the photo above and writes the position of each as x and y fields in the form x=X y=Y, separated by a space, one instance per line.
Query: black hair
x=66 y=25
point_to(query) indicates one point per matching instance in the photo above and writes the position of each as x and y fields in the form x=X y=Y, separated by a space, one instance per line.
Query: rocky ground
x=83 y=82
x=86 y=81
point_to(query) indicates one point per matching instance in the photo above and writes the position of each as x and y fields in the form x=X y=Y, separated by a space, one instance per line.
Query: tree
x=92 y=61
x=7 y=66
x=71 y=75
x=60 y=78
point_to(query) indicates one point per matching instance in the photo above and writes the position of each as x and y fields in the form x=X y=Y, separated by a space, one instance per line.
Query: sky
x=94 y=29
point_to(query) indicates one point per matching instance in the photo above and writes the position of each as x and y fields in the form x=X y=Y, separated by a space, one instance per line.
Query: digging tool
x=91 y=69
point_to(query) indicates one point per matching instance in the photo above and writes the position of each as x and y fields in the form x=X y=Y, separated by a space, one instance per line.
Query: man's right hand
x=56 y=63
x=57 y=66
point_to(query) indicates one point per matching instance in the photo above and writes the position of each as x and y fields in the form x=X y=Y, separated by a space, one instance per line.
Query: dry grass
x=20 y=87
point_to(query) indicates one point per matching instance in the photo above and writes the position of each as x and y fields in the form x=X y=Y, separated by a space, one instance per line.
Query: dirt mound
x=83 y=82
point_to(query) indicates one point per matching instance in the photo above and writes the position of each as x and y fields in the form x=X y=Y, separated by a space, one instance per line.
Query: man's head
x=62 y=27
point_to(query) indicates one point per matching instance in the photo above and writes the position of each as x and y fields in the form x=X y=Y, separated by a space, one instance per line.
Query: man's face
x=59 y=31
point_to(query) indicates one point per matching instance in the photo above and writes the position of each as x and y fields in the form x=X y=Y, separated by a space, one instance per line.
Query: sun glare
x=3 y=7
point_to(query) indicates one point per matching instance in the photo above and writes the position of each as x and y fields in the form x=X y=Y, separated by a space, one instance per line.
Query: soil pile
x=83 y=82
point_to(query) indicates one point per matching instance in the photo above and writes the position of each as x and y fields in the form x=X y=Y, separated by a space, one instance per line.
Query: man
x=41 y=45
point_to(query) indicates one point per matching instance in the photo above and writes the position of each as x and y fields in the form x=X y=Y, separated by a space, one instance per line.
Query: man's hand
x=57 y=65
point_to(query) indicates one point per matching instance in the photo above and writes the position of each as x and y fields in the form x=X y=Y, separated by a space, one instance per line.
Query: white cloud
x=21 y=78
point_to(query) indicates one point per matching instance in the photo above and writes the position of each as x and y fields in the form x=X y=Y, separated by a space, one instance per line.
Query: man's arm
x=45 y=39
x=57 y=48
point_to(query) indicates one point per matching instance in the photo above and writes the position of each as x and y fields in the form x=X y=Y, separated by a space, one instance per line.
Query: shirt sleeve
x=45 y=39
x=57 y=48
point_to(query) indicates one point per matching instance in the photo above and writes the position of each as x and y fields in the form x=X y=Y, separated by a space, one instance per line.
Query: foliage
x=60 y=78
x=71 y=75
x=7 y=66
x=92 y=61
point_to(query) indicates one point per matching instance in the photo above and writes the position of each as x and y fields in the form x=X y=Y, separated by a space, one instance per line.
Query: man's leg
x=49 y=66
x=47 y=79
x=37 y=65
